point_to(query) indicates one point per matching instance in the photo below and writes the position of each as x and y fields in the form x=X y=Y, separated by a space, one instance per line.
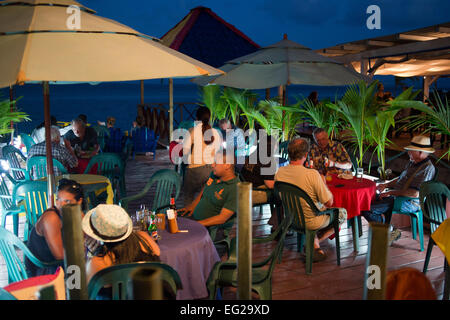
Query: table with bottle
x=185 y=245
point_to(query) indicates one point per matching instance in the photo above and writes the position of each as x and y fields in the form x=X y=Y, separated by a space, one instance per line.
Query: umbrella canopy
x=37 y=45
x=283 y=63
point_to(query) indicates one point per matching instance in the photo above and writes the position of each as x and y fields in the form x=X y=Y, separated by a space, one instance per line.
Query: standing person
x=199 y=149
x=233 y=138
x=45 y=240
x=64 y=154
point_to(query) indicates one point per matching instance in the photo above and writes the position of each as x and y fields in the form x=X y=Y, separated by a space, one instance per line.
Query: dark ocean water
x=120 y=99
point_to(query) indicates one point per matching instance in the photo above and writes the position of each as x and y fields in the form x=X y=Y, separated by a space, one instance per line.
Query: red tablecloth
x=82 y=165
x=354 y=196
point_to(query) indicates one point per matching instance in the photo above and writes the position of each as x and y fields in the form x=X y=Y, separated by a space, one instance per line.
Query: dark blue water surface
x=120 y=99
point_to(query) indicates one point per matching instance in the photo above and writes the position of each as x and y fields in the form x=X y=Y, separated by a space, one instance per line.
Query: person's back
x=310 y=181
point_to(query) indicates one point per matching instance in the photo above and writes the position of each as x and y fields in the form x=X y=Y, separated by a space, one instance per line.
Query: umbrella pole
x=142 y=92
x=11 y=108
x=48 y=146
x=170 y=109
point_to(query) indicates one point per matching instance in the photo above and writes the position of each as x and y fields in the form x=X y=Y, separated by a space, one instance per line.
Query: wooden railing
x=155 y=115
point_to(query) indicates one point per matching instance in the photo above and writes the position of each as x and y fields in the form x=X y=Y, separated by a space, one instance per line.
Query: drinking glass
x=359 y=174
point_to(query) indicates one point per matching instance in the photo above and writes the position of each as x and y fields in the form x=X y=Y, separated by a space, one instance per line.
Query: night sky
x=313 y=23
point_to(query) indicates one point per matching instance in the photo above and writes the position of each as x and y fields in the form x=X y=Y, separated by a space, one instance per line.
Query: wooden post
x=74 y=253
x=48 y=146
x=142 y=92
x=146 y=284
x=267 y=93
x=363 y=66
x=376 y=262
x=170 y=109
x=244 y=241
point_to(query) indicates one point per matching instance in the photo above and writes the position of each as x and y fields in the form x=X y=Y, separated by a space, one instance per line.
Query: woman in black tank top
x=45 y=240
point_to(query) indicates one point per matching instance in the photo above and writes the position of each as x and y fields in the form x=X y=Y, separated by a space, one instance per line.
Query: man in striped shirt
x=63 y=154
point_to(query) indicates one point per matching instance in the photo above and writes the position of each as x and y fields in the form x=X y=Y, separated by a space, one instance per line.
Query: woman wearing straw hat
x=112 y=226
x=418 y=170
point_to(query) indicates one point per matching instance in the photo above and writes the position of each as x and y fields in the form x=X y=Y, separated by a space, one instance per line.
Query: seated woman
x=45 y=240
x=112 y=226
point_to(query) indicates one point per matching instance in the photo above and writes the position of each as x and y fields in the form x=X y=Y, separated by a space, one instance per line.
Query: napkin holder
x=172 y=221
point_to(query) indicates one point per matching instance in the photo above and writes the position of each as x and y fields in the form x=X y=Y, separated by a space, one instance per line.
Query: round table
x=92 y=184
x=355 y=196
x=191 y=254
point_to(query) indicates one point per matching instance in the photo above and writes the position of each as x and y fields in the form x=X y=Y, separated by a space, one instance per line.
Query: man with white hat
x=418 y=170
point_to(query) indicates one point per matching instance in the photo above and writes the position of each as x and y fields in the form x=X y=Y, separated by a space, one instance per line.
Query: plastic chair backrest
x=114 y=142
x=108 y=165
x=119 y=277
x=5 y=295
x=5 y=195
x=102 y=135
x=27 y=140
x=144 y=140
x=432 y=197
x=12 y=154
x=35 y=196
x=292 y=197
x=37 y=167
x=167 y=182
x=16 y=268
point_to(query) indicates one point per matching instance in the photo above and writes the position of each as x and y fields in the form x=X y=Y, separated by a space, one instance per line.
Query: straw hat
x=420 y=143
x=107 y=223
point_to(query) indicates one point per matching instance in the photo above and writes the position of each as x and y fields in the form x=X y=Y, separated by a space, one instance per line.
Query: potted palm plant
x=211 y=97
x=436 y=118
x=10 y=114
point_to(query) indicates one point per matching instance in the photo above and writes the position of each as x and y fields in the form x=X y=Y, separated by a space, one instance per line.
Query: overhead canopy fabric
x=283 y=63
x=36 y=45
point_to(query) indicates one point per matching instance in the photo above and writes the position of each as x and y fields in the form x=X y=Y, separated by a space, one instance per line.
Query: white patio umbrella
x=283 y=63
x=38 y=43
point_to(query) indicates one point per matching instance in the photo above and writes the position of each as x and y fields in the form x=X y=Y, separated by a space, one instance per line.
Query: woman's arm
x=153 y=245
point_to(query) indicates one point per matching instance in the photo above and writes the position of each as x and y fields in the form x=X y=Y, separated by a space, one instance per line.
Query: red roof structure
x=205 y=36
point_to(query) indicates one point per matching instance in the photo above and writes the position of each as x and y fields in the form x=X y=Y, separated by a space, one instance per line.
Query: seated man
x=63 y=154
x=310 y=181
x=216 y=203
x=332 y=150
x=418 y=170
x=83 y=139
x=38 y=133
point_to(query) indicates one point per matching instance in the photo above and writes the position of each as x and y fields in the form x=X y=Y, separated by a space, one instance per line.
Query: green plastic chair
x=5 y=295
x=34 y=194
x=9 y=243
x=432 y=196
x=37 y=167
x=102 y=135
x=226 y=227
x=290 y=196
x=12 y=155
x=111 y=166
x=224 y=274
x=9 y=208
x=167 y=182
x=27 y=140
x=119 y=277
x=416 y=217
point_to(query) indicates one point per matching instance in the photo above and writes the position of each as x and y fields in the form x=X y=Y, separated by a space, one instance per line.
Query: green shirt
x=217 y=194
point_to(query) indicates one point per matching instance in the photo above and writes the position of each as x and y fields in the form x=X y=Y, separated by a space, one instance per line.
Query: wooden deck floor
x=328 y=281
